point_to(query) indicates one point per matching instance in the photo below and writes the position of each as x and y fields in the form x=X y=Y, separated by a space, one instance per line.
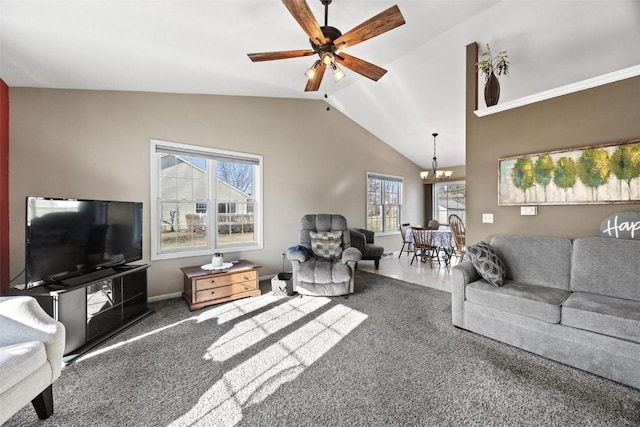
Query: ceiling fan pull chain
x=326 y=95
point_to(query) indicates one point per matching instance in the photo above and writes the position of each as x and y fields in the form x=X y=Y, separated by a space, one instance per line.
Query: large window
x=450 y=198
x=384 y=202
x=203 y=200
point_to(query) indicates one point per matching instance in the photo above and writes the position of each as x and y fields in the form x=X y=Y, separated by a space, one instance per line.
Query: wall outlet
x=487 y=218
x=528 y=210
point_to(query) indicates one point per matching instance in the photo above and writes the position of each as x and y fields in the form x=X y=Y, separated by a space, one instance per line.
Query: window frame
x=211 y=154
x=434 y=210
x=385 y=178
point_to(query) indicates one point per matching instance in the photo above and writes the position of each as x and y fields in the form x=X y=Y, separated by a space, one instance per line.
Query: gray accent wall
x=95 y=145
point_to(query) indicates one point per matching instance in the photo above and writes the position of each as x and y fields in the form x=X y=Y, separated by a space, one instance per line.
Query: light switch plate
x=487 y=218
x=528 y=210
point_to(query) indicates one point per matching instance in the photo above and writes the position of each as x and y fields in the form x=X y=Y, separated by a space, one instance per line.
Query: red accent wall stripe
x=4 y=187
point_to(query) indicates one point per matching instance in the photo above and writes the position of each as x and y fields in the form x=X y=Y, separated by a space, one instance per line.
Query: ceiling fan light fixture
x=311 y=71
x=338 y=74
x=326 y=41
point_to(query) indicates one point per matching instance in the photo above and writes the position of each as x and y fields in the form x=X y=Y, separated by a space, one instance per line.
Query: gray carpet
x=387 y=355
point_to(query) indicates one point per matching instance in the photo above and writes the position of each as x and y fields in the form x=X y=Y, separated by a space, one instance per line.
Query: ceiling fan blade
x=381 y=23
x=314 y=83
x=361 y=66
x=285 y=54
x=301 y=12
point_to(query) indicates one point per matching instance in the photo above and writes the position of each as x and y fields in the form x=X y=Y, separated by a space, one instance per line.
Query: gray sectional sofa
x=576 y=302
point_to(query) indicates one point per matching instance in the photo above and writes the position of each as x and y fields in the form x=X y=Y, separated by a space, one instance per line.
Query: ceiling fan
x=328 y=42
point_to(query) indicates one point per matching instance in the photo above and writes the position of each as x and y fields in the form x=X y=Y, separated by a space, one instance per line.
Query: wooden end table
x=207 y=287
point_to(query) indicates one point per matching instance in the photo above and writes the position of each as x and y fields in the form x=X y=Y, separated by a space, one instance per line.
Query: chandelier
x=437 y=174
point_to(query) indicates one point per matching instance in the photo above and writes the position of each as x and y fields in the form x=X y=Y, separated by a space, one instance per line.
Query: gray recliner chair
x=323 y=262
x=363 y=240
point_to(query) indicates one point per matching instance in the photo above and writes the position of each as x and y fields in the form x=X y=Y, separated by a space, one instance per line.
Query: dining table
x=440 y=238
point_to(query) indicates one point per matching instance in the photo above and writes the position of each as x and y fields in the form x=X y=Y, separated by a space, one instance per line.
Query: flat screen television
x=69 y=237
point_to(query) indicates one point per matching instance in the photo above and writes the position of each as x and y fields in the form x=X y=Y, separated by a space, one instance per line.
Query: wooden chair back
x=403 y=230
x=423 y=244
x=407 y=242
x=458 y=231
x=421 y=237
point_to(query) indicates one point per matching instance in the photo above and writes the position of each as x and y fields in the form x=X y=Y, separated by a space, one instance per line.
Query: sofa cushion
x=326 y=244
x=544 y=261
x=322 y=270
x=18 y=361
x=606 y=266
x=538 y=302
x=605 y=315
x=487 y=263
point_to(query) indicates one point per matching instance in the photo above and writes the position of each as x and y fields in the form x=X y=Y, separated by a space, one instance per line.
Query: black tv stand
x=88 y=277
x=94 y=307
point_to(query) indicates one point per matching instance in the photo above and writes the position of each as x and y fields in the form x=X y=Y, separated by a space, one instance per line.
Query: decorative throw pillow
x=487 y=263
x=326 y=244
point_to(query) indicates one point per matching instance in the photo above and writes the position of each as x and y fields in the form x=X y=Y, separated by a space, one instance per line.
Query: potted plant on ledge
x=489 y=66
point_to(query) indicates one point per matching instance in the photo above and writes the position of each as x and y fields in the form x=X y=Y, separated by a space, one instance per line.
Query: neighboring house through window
x=384 y=202
x=203 y=200
x=449 y=198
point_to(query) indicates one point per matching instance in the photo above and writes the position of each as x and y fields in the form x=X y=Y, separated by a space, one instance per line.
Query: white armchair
x=31 y=350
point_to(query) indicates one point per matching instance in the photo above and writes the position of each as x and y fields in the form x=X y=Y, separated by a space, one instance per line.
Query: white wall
x=95 y=145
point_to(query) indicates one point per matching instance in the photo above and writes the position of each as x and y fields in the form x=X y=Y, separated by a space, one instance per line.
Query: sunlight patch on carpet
x=258 y=377
x=251 y=331
x=234 y=309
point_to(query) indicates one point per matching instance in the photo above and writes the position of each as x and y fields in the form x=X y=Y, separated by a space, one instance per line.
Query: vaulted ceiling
x=200 y=47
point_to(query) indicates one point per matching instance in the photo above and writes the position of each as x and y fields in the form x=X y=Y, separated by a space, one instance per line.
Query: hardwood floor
x=434 y=276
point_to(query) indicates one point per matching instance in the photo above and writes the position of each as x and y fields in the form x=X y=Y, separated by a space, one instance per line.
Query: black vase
x=491 y=90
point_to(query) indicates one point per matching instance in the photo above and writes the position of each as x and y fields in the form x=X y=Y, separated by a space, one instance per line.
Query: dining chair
x=423 y=245
x=407 y=242
x=459 y=235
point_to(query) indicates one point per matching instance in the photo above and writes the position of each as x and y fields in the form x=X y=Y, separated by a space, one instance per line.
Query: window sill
x=203 y=252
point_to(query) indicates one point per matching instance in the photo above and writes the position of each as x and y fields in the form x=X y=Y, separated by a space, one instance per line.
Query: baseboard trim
x=165 y=296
